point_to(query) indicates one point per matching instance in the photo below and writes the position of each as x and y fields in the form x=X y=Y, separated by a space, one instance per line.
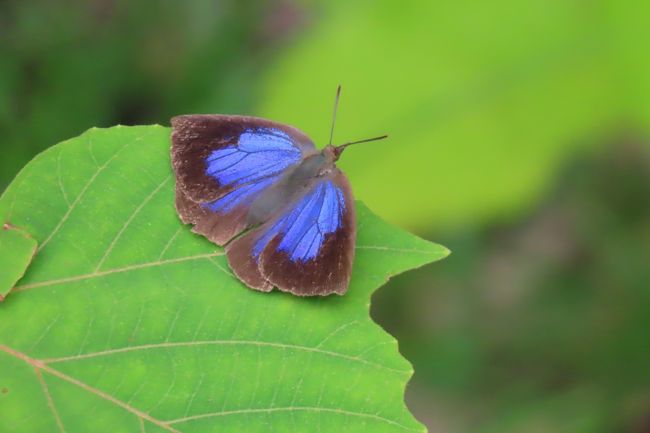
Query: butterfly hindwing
x=223 y=163
x=308 y=248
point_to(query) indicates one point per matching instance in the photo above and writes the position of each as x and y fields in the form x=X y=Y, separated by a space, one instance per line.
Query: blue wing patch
x=304 y=227
x=244 y=195
x=259 y=153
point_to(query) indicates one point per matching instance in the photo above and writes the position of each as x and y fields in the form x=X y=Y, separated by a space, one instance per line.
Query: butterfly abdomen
x=291 y=186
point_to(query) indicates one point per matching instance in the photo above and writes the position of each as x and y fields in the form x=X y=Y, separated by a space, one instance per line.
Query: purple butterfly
x=281 y=207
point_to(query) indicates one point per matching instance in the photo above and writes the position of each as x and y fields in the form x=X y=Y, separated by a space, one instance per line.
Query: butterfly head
x=333 y=153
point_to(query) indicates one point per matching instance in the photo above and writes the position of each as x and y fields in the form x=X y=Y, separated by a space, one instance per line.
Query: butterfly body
x=281 y=207
x=290 y=186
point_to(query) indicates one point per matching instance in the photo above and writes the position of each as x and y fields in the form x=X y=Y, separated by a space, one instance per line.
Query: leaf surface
x=126 y=321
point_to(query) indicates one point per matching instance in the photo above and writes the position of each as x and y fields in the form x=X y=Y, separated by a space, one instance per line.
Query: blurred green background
x=519 y=138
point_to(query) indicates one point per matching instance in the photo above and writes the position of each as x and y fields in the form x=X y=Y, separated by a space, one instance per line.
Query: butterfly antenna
x=344 y=145
x=338 y=150
x=336 y=107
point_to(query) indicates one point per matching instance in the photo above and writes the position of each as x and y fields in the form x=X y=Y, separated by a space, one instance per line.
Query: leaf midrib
x=97 y=274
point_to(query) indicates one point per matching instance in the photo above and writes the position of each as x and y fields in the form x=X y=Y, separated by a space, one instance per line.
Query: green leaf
x=126 y=321
x=17 y=249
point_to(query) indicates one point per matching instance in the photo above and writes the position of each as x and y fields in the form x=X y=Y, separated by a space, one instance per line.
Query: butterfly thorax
x=292 y=185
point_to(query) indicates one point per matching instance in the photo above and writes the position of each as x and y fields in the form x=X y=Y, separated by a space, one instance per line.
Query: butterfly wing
x=222 y=163
x=308 y=249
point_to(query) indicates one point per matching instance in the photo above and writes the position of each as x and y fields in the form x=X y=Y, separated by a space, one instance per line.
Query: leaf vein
x=114 y=271
x=291 y=409
x=50 y=401
x=76 y=201
x=170 y=242
x=164 y=262
x=128 y=222
x=168 y=345
x=398 y=250
x=58 y=177
x=39 y=365
x=336 y=331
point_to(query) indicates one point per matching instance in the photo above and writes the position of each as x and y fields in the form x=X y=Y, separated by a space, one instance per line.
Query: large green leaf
x=126 y=321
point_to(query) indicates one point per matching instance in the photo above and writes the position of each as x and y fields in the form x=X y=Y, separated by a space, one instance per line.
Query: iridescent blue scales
x=304 y=227
x=281 y=207
x=259 y=153
x=245 y=194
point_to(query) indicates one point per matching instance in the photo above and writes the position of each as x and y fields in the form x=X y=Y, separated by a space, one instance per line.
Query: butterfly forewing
x=223 y=163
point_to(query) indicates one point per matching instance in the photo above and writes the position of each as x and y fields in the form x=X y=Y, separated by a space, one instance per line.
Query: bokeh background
x=519 y=138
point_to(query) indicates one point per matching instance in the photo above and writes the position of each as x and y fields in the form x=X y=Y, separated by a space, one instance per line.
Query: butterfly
x=281 y=207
